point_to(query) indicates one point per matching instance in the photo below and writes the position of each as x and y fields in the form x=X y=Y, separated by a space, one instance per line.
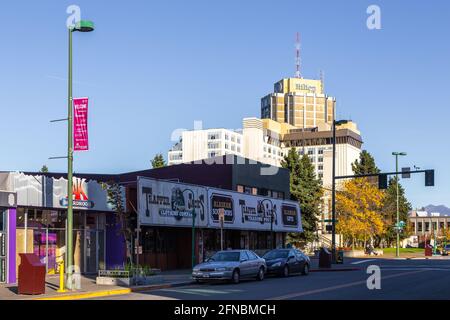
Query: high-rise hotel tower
x=299 y=102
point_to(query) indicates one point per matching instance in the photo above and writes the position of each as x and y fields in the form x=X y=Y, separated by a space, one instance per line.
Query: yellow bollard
x=61 y=277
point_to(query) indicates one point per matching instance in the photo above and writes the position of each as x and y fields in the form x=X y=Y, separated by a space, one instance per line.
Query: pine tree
x=307 y=190
x=365 y=164
x=44 y=169
x=389 y=210
x=158 y=161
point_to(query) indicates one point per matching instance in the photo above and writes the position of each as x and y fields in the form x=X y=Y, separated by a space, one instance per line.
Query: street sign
x=221 y=216
x=136 y=250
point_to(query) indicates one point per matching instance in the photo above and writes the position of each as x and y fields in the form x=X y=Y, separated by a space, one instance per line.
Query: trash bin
x=428 y=251
x=324 y=258
x=31 y=275
x=340 y=257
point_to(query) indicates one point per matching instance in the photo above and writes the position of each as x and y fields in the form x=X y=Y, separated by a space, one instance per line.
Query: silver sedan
x=231 y=265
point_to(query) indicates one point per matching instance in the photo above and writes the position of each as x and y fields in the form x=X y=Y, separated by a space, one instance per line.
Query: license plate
x=206 y=276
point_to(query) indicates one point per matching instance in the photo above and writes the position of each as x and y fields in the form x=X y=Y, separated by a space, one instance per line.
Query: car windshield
x=276 y=254
x=225 y=256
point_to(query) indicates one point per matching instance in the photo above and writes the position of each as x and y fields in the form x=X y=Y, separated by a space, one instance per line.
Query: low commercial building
x=249 y=192
x=253 y=197
x=425 y=225
x=33 y=209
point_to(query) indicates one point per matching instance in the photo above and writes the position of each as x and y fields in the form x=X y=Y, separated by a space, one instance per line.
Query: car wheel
x=235 y=277
x=260 y=275
x=305 y=270
x=286 y=271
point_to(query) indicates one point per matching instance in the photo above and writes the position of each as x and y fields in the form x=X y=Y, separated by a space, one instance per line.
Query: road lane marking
x=363 y=261
x=342 y=286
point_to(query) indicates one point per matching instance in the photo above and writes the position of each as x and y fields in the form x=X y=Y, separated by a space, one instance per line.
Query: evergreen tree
x=307 y=190
x=365 y=164
x=44 y=169
x=389 y=210
x=158 y=161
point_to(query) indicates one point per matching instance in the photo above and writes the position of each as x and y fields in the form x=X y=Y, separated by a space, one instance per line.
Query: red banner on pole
x=80 y=124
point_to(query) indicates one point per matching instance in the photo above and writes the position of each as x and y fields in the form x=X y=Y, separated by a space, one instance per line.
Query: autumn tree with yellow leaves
x=358 y=207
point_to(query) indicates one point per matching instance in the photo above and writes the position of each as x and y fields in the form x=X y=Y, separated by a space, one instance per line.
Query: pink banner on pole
x=80 y=124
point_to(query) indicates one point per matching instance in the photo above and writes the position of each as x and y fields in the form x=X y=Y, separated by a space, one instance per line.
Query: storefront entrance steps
x=90 y=290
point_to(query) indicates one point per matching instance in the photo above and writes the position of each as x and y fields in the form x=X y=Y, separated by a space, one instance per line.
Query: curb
x=106 y=293
x=86 y=295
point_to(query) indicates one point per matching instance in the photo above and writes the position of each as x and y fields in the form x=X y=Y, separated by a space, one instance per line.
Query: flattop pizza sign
x=42 y=191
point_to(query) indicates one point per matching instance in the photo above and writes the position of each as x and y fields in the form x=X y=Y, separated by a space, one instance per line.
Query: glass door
x=91 y=251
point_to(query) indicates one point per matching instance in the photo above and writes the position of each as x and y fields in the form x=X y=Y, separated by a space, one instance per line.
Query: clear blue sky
x=154 y=66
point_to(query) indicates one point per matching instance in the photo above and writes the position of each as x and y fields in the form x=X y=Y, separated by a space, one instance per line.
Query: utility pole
x=333 y=195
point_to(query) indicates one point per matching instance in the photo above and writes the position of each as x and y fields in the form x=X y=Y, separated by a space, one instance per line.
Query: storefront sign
x=171 y=204
x=2 y=270
x=249 y=212
x=80 y=124
x=2 y=245
x=289 y=215
x=8 y=199
x=221 y=204
x=42 y=191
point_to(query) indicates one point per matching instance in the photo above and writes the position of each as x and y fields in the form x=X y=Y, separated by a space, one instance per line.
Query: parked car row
x=234 y=265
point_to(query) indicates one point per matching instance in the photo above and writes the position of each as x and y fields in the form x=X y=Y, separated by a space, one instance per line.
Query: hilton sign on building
x=299 y=102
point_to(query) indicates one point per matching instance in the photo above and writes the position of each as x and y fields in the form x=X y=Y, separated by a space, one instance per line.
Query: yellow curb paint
x=87 y=295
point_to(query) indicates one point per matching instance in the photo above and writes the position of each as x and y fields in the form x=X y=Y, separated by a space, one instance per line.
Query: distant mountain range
x=440 y=209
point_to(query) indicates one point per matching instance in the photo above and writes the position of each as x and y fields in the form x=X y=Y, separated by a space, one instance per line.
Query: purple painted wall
x=115 y=244
x=12 y=277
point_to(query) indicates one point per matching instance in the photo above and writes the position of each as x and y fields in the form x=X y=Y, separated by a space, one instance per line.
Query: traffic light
x=382 y=181
x=429 y=178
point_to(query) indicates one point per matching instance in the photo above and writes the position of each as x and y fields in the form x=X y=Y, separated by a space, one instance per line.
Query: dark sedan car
x=286 y=261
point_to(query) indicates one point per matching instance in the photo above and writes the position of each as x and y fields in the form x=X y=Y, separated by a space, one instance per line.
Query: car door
x=245 y=264
x=254 y=265
x=292 y=261
x=301 y=259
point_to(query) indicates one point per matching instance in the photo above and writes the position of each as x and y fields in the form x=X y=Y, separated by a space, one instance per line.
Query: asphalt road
x=400 y=279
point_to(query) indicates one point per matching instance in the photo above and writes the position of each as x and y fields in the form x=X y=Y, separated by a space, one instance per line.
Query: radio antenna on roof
x=298 y=60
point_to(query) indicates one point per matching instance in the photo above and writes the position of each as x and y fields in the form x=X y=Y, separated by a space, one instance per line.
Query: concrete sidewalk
x=89 y=289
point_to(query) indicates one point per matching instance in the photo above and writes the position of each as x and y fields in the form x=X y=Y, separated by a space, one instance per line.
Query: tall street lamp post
x=397 y=154
x=333 y=191
x=81 y=26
